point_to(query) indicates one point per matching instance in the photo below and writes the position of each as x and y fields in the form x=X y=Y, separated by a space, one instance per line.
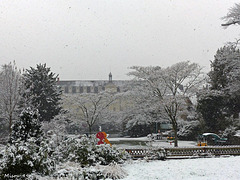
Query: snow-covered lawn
x=222 y=168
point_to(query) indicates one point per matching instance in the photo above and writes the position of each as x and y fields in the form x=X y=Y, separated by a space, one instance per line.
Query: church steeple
x=110 y=77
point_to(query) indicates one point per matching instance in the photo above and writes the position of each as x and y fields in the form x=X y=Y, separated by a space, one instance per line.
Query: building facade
x=92 y=86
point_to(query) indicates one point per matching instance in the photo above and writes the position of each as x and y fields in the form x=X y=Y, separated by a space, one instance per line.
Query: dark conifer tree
x=42 y=92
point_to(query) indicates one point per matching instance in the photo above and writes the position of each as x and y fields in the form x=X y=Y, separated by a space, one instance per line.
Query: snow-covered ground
x=223 y=168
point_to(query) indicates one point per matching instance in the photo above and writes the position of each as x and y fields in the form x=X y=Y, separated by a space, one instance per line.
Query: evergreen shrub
x=86 y=152
x=26 y=157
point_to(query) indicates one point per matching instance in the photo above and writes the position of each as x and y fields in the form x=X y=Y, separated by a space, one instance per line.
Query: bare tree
x=89 y=108
x=172 y=86
x=10 y=85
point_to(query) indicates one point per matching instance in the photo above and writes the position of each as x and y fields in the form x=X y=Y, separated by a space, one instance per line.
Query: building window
x=81 y=89
x=74 y=89
x=95 y=89
x=88 y=89
x=66 y=89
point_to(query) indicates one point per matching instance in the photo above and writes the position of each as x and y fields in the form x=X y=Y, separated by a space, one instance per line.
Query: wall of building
x=79 y=86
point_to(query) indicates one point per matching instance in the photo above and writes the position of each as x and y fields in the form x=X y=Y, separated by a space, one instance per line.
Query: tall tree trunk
x=176 y=138
x=10 y=125
x=90 y=129
x=175 y=133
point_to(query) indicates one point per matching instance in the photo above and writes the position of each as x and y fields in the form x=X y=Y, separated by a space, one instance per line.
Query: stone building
x=92 y=86
x=96 y=86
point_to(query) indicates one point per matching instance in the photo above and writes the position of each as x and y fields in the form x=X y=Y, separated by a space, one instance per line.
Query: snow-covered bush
x=155 y=154
x=26 y=126
x=90 y=174
x=27 y=151
x=71 y=170
x=25 y=157
x=231 y=134
x=107 y=154
x=114 y=171
x=189 y=130
x=229 y=131
x=86 y=152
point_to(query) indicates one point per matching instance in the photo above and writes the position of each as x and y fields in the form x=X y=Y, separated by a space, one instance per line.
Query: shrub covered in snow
x=27 y=151
x=155 y=153
x=231 y=134
x=72 y=170
x=27 y=126
x=25 y=157
x=86 y=152
x=82 y=158
x=229 y=131
x=29 y=154
x=189 y=130
x=114 y=171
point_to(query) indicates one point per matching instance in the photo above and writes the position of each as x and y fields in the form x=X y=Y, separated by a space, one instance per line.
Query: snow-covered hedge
x=86 y=152
x=71 y=170
x=82 y=158
x=28 y=159
x=25 y=157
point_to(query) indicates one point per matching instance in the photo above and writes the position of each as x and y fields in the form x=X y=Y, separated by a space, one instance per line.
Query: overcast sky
x=86 y=39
